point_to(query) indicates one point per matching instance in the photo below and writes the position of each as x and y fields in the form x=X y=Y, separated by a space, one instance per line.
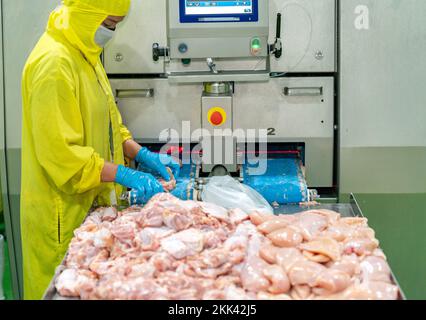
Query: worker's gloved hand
x=158 y=163
x=137 y=198
x=144 y=183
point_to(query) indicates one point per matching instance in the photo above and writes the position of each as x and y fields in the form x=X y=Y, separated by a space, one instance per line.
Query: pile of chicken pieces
x=173 y=249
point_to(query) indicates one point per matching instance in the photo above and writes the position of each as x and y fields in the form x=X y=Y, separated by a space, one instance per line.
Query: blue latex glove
x=144 y=183
x=158 y=163
x=137 y=198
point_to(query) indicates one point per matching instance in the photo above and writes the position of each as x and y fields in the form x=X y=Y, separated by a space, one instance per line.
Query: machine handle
x=135 y=93
x=302 y=92
x=158 y=51
x=277 y=48
x=278 y=31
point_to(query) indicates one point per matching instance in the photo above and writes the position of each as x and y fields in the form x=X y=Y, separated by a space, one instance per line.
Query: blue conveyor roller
x=283 y=182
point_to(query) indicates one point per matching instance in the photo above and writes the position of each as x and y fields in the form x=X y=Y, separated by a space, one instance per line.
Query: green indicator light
x=255 y=44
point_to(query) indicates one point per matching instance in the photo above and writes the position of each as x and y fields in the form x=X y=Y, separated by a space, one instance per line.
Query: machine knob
x=183 y=48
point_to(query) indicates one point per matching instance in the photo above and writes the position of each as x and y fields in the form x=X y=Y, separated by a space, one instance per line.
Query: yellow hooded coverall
x=68 y=111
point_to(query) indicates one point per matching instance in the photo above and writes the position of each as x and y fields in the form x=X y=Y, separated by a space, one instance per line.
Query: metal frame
x=358 y=212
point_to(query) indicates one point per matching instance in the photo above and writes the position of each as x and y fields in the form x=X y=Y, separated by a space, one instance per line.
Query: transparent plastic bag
x=231 y=194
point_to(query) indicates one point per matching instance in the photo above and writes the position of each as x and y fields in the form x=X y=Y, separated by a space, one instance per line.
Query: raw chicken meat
x=174 y=249
x=360 y=246
x=348 y=264
x=104 y=214
x=305 y=273
x=355 y=221
x=235 y=293
x=72 y=282
x=323 y=246
x=331 y=281
x=258 y=218
x=332 y=216
x=275 y=224
x=252 y=275
x=215 y=211
x=301 y=292
x=375 y=269
x=269 y=296
x=185 y=243
x=286 y=237
x=237 y=216
x=288 y=257
x=147 y=240
x=170 y=185
x=176 y=220
x=268 y=253
x=278 y=278
x=311 y=223
x=124 y=229
x=369 y=291
x=381 y=290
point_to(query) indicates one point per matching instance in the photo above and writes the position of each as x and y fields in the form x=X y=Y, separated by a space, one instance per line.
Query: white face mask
x=103 y=35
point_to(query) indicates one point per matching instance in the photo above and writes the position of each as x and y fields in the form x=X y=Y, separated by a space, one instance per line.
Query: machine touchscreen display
x=218 y=11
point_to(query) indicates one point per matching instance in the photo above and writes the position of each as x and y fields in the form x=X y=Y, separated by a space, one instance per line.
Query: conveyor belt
x=283 y=182
x=185 y=183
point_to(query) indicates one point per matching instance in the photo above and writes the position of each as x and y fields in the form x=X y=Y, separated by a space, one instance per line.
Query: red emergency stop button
x=216 y=116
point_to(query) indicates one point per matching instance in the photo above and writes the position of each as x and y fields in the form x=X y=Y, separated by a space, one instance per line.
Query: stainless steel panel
x=308 y=35
x=170 y=105
x=319 y=153
x=223 y=47
x=250 y=69
x=131 y=49
x=382 y=127
x=384 y=170
x=200 y=77
x=265 y=105
x=252 y=64
x=219 y=148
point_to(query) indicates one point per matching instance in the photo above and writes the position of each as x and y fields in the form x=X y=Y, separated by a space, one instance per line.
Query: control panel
x=200 y=29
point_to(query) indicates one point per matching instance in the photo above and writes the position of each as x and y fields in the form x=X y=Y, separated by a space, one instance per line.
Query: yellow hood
x=78 y=21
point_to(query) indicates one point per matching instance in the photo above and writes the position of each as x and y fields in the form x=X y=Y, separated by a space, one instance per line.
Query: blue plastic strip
x=283 y=183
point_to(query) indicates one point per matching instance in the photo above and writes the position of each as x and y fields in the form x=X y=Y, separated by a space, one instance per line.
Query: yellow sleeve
x=57 y=128
x=125 y=133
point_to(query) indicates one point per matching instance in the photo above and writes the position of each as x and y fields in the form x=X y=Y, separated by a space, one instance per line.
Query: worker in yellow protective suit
x=73 y=140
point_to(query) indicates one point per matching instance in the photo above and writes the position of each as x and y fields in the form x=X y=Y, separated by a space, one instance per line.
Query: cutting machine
x=223 y=107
